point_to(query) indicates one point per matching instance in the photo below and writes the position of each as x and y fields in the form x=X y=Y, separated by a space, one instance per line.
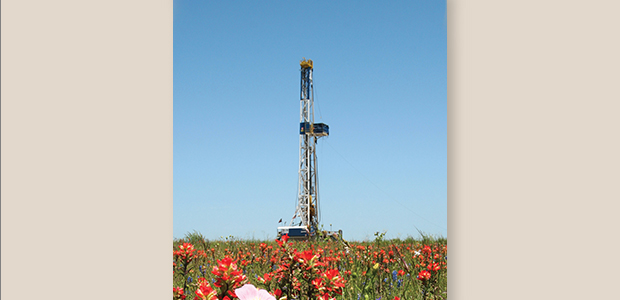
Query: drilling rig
x=305 y=221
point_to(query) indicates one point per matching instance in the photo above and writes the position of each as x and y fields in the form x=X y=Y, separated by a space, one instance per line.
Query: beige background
x=87 y=149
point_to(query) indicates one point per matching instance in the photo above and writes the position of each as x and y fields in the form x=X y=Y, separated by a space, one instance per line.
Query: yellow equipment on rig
x=305 y=64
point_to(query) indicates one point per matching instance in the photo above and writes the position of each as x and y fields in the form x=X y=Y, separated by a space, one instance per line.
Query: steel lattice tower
x=308 y=201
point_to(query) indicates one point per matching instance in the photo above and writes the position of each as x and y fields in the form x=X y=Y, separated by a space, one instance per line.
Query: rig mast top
x=306 y=64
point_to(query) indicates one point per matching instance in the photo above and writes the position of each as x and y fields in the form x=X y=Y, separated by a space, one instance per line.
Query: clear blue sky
x=379 y=83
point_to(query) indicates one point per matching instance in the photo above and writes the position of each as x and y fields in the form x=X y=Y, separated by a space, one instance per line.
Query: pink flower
x=250 y=292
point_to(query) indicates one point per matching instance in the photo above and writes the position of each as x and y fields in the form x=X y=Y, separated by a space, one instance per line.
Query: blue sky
x=379 y=83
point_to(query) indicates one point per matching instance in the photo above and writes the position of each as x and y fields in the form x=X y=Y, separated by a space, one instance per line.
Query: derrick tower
x=307 y=211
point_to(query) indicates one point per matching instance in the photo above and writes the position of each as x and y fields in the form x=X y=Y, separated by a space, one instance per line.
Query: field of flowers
x=285 y=269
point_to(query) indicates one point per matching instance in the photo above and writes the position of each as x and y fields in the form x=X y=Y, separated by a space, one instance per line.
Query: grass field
x=329 y=269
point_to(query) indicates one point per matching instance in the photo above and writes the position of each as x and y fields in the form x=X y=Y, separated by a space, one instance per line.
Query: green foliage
x=379 y=237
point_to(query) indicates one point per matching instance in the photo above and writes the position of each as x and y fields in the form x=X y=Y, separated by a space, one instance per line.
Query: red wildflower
x=282 y=241
x=401 y=272
x=178 y=293
x=278 y=293
x=318 y=284
x=266 y=279
x=324 y=296
x=185 y=252
x=308 y=258
x=228 y=276
x=305 y=256
x=433 y=267
x=424 y=275
x=331 y=274
x=205 y=291
x=334 y=283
